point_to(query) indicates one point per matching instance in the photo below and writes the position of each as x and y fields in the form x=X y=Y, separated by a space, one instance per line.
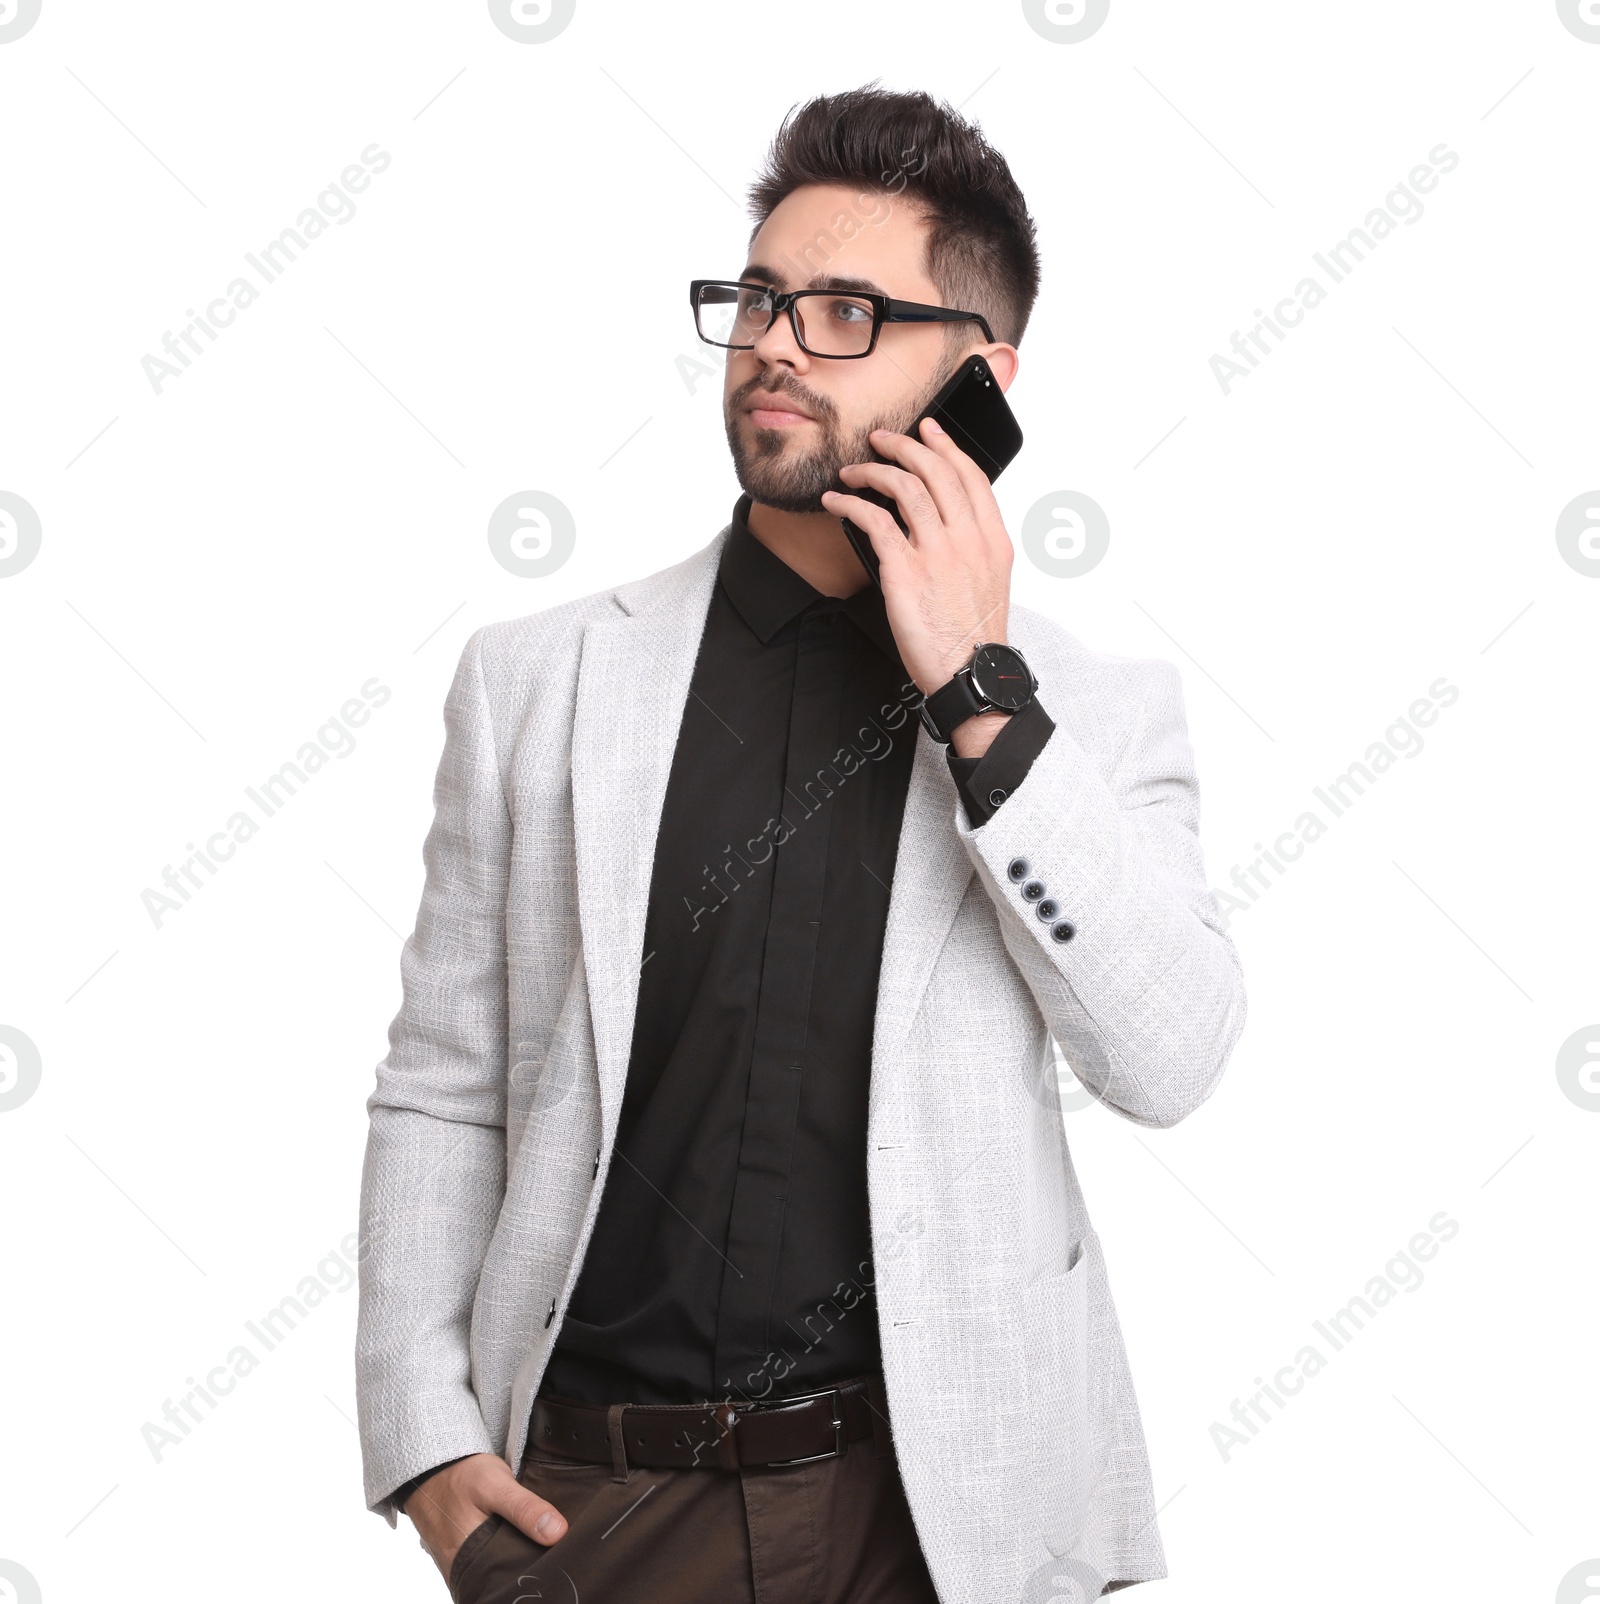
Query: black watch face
x=1000 y=676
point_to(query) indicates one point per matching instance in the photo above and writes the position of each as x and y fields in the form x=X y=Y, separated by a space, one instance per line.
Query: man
x=719 y=1131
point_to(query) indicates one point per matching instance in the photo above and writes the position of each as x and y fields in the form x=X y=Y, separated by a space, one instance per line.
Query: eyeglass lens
x=830 y=324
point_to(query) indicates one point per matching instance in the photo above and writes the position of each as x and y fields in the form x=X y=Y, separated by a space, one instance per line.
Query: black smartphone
x=972 y=410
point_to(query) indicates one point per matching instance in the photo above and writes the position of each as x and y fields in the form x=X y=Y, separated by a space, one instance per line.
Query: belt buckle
x=838 y=1425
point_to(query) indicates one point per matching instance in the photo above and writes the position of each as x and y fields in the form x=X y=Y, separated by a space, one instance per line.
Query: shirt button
x=1033 y=890
x=1018 y=868
x=996 y=797
x=1062 y=931
x=1048 y=909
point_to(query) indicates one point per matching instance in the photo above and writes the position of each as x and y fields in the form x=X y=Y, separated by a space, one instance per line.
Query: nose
x=779 y=345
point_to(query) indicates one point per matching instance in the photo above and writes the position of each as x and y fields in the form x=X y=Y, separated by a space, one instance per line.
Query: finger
x=888 y=539
x=974 y=481
x=945 y=484
x=532 y=1515
x=984 y=509
x=908 y=492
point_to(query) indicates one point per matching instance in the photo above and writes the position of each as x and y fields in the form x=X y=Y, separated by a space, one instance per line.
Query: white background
x=225 y=563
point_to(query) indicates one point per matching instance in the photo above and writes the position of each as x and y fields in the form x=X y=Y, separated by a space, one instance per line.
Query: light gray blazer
x=492 y=1122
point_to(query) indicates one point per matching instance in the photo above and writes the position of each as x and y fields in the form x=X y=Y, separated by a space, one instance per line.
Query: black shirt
x=731 y=1256
x=732 y=1253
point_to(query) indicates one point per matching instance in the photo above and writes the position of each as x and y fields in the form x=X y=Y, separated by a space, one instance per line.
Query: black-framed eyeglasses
x=829 y=323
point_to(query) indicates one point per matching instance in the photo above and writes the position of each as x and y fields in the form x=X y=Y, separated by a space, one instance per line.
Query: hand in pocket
x=452 y=1503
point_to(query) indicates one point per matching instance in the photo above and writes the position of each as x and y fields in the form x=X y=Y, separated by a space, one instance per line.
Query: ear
x=1003 y=361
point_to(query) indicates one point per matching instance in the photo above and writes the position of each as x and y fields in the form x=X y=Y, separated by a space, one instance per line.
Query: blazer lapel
x=633 y=683
x=931 y=875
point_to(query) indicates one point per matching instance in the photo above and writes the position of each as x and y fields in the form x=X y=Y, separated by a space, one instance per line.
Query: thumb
x=532 y=1516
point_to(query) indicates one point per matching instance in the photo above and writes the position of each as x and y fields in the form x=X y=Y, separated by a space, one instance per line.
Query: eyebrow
x=818 y=281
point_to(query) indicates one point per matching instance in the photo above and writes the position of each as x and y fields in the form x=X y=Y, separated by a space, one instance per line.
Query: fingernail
x=933 y=426
x=545 y=1526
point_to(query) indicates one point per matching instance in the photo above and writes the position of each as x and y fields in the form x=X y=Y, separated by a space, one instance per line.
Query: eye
x=851 y=312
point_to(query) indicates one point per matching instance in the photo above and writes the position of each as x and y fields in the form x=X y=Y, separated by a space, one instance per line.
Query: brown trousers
x=836 y=1531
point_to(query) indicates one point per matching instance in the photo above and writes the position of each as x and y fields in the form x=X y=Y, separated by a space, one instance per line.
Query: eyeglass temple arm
x=920 y=312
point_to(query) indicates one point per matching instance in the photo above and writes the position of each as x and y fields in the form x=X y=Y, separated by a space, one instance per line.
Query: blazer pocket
x=472 y=1546
x=1056 y=1360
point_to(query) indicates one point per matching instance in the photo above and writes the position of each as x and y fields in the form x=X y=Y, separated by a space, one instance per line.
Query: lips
x=776 y=407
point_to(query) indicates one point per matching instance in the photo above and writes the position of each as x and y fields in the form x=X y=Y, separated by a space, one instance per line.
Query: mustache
x=818 y=406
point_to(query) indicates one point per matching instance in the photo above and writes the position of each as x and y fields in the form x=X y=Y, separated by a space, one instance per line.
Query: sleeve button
x=1062 y=931
x=1033 y=890
x=1048 y=909
x=1018 y=868
x=996 y=797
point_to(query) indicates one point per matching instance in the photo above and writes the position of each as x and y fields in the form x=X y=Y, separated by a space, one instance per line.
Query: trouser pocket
x=471 y=1550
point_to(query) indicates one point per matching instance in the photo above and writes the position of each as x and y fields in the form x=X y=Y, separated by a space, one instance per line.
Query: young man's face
x=794 y=420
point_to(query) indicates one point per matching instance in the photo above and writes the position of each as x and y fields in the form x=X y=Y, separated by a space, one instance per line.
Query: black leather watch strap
x=952 y=704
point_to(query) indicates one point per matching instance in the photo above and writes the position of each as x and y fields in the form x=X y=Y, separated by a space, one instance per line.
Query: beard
x=774 y=469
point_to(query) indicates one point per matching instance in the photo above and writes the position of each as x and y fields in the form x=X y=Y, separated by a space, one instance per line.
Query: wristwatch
x=995 y=676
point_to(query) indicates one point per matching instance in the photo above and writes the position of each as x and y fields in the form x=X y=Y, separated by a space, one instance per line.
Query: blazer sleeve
x=1100 y=891
x=434 y=1173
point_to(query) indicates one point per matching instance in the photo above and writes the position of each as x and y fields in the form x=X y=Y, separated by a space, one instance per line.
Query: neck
x=813 y=544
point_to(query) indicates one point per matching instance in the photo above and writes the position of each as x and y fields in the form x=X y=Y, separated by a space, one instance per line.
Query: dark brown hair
x=981 y=247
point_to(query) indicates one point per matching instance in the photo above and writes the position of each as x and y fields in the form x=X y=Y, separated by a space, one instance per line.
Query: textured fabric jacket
x=1014 y=1415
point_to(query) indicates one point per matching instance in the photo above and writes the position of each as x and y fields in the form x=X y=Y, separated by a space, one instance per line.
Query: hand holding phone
x=972 y=410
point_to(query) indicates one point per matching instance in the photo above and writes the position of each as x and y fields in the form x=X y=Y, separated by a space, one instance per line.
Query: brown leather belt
x=710 y=1436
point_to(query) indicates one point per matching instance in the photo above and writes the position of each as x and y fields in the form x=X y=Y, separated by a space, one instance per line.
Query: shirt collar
x=767 y=592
